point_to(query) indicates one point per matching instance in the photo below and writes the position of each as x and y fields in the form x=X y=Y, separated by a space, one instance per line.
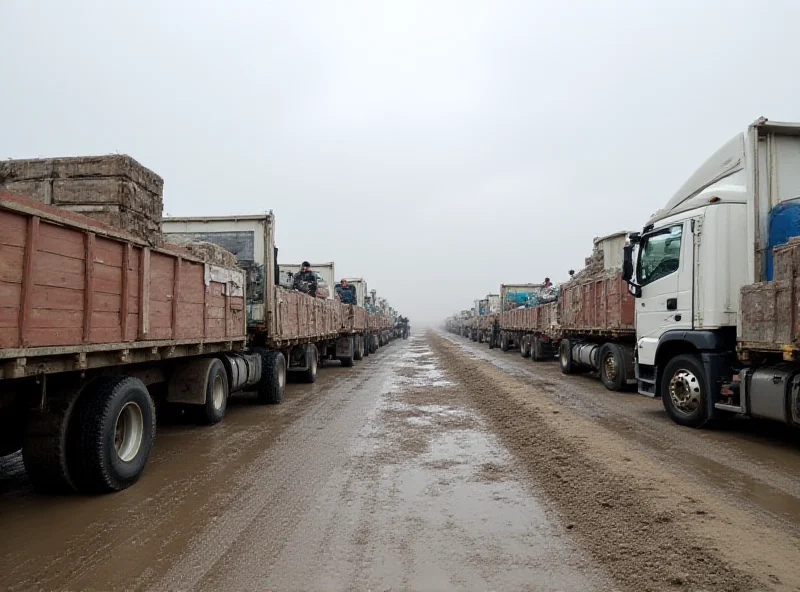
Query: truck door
x=664 y=271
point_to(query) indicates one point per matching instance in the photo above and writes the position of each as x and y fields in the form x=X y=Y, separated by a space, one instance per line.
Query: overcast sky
x=435 y=148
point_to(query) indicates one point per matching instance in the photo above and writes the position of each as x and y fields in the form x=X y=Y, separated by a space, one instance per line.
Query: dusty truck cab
x=689 y=265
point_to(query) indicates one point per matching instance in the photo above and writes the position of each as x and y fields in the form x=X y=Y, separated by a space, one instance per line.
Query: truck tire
x=683 y=391
x=358 y=344
x=565 y=357
x=217 y=391
x=504 y=341
x=525 y=346
x=309 y=375
x=112 y=435
x=347 y=361
x=45 y=449
x=613 y=371
x=536 y=349
x=273 y=377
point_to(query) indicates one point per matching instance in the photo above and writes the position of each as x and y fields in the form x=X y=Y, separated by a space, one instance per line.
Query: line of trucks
x=701 y=308
x=106 y=310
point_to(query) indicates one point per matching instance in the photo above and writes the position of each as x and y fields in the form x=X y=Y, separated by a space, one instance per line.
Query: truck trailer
x=715 y=278
x=95 y=322
x=306 y=330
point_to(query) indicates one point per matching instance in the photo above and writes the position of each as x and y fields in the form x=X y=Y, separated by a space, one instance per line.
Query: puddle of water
x=485 y=533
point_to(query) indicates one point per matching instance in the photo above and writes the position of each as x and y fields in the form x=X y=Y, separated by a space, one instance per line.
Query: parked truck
x=93 y=323
x=590 y=326
x=715 y=275
x=513 y=297
x=318 y=329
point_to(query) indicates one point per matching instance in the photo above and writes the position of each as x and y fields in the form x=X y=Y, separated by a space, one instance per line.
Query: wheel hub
x=282 y=374
x=129 y=431
x=610 y=366
x=684 y=391
x=218 y=392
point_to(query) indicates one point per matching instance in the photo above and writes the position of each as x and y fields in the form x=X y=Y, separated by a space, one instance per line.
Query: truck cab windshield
x=659 y=255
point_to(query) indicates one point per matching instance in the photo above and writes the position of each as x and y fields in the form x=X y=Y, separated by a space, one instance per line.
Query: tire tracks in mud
x=648 y=527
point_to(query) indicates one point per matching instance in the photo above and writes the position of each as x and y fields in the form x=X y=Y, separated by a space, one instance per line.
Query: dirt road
x=433 y=465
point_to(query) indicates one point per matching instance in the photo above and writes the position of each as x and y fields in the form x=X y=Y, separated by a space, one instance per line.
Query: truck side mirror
x=627 y=263
x=627 y=271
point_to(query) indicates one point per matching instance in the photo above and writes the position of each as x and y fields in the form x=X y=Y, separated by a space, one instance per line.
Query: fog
x=434 y=148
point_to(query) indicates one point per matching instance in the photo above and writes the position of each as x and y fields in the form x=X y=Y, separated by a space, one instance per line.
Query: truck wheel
x=525 y=346
x=358 y=343
x=114 y=430
x=683 y=391
x=504 y=341
x=536 y=348
x=309 y=376
x=44 y=451
x=613 y=372
x=273 y=377
x=347 y=361
x=217 y=390
x=565 y=357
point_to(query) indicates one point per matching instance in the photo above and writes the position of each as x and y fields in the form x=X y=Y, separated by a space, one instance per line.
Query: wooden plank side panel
x=13 y=239
x=191 y=297
x=162 y=284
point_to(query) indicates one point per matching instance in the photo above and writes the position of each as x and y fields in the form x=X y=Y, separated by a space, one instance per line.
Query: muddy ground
x=434 y=465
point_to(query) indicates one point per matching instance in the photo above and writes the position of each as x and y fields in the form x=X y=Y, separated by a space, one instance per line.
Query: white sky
x=435 y=148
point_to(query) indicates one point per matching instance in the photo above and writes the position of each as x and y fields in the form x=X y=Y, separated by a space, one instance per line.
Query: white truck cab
x=689 y=263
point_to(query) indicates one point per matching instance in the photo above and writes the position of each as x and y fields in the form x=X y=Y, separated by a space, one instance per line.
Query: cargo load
x=113 y=189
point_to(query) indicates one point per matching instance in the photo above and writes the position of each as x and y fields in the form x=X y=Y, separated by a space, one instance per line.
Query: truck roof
x=728 y=159
x=217 y=218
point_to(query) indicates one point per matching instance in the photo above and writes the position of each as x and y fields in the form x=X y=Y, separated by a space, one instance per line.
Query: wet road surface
x=387 y=476
x=660 y=506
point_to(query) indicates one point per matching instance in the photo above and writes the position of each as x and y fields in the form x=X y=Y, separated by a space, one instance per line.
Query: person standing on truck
x=345 y=292
x=306 y=280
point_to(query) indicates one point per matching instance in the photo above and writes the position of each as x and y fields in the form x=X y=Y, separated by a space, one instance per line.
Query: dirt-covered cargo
x=114 y=189
x=588 y=322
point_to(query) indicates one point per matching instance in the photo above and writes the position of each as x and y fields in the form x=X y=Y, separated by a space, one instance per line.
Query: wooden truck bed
x=595 y=306
x=75 y=293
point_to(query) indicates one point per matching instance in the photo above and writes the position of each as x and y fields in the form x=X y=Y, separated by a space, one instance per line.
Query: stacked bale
x=114 y=189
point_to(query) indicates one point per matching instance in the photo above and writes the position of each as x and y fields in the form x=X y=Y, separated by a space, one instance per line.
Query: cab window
x=659 y=255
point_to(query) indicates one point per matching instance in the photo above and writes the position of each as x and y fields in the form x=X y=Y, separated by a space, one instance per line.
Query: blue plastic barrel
x=784 y=223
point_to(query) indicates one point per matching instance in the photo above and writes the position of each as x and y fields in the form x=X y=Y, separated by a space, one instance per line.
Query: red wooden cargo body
x=70 y=284
x=599 y=305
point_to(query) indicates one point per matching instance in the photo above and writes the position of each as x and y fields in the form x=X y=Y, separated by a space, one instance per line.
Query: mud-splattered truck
x=94 y=322
x=716 y=276
x=591 y=325
x=302 y=328
x=513 y=297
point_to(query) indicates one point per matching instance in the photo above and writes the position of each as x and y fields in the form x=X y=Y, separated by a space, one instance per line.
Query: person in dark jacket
x=306 y=280
x=345 y=292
